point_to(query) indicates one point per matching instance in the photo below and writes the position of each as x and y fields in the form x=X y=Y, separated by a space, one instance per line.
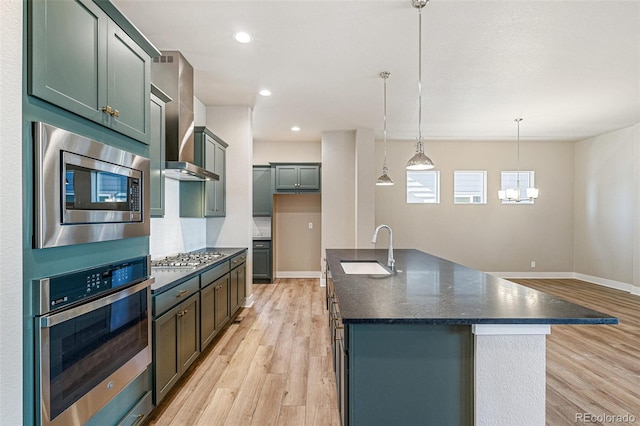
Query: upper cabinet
x=296 y=177
x=206 y=199
x=81 y=59
x=157 y=150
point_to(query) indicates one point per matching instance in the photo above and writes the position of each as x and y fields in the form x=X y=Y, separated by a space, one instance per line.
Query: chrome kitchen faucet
x=390 y=260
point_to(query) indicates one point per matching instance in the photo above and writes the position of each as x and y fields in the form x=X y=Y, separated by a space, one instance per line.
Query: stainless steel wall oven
x=93 y=337
x=86 y=191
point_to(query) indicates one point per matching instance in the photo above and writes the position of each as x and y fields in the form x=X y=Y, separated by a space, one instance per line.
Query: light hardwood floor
x=273 y=367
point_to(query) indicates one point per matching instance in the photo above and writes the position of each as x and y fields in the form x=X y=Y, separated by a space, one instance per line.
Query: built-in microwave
x=87 y=191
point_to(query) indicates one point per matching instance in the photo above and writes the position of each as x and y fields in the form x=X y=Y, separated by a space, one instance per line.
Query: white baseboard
x=533 y=275
x=298 y=274
x=618 y=285
x=248 y=301
x=605 y=282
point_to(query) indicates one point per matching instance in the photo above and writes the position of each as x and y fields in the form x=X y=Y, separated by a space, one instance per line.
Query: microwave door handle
x=51 y=320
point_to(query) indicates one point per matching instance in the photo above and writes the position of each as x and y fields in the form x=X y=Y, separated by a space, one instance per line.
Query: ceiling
x=571 y=69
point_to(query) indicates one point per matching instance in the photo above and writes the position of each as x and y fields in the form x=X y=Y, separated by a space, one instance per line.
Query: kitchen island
x=440 y=343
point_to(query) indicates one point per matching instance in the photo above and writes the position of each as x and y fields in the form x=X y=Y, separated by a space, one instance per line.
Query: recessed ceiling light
x=243 y=37
x=265 y=92
x=295 y=129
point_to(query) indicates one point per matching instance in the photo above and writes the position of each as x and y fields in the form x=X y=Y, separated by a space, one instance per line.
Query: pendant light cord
x=385 y=75
x=420 y=75
x=518 y=120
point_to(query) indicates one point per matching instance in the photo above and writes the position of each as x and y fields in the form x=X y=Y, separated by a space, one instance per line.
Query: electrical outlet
x=533 y=263
x=310 y=225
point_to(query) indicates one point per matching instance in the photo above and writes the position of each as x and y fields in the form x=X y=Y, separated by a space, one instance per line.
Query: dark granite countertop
x=429 y=290
x=168 y=278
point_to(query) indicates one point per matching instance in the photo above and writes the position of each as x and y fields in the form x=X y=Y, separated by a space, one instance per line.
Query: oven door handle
x=51 y=320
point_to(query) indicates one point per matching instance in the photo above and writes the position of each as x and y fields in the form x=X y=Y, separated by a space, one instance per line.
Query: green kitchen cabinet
x=262 y=265
x=157 y=150
x=222 y=311
x=238 y=278
x=176 y=334
x=296 y=177
x=210 y=286
x=262 y=193
x=206 y=199
x=83 y=61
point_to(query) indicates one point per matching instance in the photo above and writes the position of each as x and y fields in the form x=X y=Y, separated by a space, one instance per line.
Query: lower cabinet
x=176 y=344
x=262 y=264
x=188 y=317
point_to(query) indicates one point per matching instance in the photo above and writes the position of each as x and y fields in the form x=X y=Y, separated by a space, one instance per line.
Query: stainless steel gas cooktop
x=187 y=261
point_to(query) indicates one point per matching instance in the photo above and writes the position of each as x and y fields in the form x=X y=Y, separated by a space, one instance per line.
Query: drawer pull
x=139 y=418
x=182 y=293
x=259 y=245
x=116 y=113
x=107 y=109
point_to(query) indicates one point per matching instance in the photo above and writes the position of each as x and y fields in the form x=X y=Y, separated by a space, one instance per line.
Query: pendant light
x=419 y=161
x=513 y=194
x=384 y=179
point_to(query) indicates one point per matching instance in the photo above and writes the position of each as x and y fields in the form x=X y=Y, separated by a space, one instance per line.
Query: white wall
x=348 y=178
x=490 y=237
x=11 y=212
x=265 y=152
x=234 y=126
x=606 y=207
x=172 y=234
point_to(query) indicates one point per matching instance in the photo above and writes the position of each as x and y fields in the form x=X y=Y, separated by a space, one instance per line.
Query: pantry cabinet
x=81 y=60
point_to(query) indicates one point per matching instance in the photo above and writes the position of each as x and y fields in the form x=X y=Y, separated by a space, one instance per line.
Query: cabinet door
x=128 y=87
x=262 y=195
x=234 y=290
x=286 y=177
x=68 y=53
x=207 y=315
x=210 y=186
x=309 y=177
x=156 y=155
x=261 y=263
x=166 y=364
x=189 y=334
x=242 y=290
x=220 y=185
x=222 y=301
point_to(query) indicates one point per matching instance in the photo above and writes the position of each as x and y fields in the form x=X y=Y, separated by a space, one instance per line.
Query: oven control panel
x=68 y=289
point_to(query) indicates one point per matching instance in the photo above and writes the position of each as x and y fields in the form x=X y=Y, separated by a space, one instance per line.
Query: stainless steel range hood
x=174 y=75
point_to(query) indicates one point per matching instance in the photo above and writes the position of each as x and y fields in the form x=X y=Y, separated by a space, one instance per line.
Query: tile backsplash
x=262 y=227
x=172 y=234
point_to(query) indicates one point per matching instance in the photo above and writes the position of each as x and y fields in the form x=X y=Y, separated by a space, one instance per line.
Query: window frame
x=483 y=194
x=436 y=187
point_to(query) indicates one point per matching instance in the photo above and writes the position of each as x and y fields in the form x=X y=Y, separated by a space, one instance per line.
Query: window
x=423 y=187
x=470 y=187
x=509 y=180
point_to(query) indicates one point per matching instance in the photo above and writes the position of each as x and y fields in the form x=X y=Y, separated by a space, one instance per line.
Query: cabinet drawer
x=262 y=244
x=166 y=300
x=213 y=274
x=237 y=260
x=138 y=413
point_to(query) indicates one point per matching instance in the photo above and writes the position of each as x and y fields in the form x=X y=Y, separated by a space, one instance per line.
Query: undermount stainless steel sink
x=365 y=267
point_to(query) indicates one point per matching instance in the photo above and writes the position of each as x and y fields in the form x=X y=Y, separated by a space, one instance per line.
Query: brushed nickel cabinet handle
x=182 y=293
x=116 y=113
x=259 y=245
x=107 y=109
